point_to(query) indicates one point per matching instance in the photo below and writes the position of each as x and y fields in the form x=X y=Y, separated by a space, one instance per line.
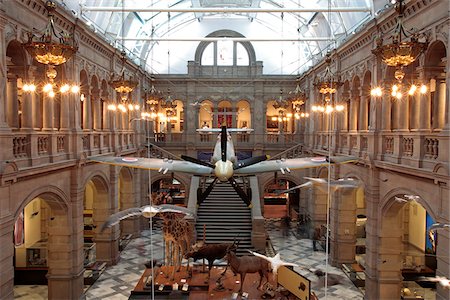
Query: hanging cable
x=327 y=238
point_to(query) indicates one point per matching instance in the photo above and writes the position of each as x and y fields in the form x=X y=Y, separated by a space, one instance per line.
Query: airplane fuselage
x=224 y=169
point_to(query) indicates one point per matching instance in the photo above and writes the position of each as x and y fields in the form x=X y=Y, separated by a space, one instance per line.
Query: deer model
x=211 y=252
x=248 y=264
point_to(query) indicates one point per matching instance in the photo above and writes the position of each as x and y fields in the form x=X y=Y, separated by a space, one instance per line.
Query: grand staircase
x=225 y=216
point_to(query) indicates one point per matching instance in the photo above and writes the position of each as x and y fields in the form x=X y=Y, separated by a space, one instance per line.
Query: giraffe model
x=178 y=234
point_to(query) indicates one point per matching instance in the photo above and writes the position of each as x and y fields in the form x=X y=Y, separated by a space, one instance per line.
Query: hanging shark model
x=224 y=163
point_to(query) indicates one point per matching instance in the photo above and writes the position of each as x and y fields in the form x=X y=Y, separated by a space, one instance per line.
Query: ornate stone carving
x=442 y=32
x=12 y=34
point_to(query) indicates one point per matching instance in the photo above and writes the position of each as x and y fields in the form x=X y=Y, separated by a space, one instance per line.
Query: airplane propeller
x=197 y=161
x=223 y=159
x=250 y=161
x=223 y=143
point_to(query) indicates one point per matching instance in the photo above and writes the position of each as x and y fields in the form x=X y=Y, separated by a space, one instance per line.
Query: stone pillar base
x=65 y=286
x=107 y=251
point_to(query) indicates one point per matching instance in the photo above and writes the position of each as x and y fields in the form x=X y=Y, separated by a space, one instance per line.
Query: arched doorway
x=129 y=227
x=43 y=234
x=406 y=251
x=169 y=190
x=97 y=206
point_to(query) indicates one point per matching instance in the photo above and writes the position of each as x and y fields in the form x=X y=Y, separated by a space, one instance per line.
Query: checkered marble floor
x=117 y=281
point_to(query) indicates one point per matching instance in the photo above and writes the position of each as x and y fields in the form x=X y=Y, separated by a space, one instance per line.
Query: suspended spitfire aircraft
x=224 y=163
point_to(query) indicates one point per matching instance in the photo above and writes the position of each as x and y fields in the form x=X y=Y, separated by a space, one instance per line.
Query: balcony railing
x=415 y=149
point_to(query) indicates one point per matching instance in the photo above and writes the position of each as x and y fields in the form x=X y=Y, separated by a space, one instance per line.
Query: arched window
x=225 y=52
x=208 y=55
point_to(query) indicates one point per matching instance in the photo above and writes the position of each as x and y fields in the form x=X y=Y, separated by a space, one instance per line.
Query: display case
x=88 y=226
x=37 y=255
x=89 y=254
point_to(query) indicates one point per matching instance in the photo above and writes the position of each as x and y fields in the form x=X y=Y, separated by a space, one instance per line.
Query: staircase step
x=225 y=217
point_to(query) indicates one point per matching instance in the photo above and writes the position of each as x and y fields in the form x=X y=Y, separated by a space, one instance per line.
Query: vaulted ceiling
x=288 y=36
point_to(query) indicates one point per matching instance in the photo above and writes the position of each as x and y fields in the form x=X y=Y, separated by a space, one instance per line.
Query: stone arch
x=205 y=113
x=59 y=238
x=104 y=203
x=387 y=203
x=243 y=114
x=226 y=33
x=436 y=66
x=184 y=181
x=51 y=192
x=266 y=180
x=391 y=233
x=17 y=74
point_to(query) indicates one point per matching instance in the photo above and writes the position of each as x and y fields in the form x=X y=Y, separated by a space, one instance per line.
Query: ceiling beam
x=225 y=10
x=235 y=39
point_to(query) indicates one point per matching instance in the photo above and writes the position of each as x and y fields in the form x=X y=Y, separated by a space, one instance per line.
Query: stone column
x=343 y=226
x=344 y=115
x=106 y=125
x=6 y=252
x=443 y=248
x=65 y=111
x=440 y=97
x=415 y=112
x=107 y=242
x=372 y=198
x=130 y=195
x=319 y=215
x=96 y=107
x=215 y=117
x=363 y=109
x=402 y=113
x=386 y=109
x=27 y=110
x=354 y=109
x=234 y=114
x=87 y=112
x=64 y=281
x=389 y=279
x=47 y=112
x=424 y=111
x=12 y=102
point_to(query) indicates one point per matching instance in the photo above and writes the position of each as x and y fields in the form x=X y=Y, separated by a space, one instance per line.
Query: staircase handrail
x=170 y=154
x=280 y=155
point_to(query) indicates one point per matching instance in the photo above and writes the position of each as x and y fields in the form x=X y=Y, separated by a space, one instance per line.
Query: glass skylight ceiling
x=278 y=21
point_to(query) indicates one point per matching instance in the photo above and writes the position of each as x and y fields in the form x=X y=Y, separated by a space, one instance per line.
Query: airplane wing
x=210 y=130
x=286 y=165
x=160 y=165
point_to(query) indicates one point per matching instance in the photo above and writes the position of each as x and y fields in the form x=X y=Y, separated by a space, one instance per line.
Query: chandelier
x=400 y=53
x=121 y=85
x=280 y=103
x=46 y=51
x=328 y=85
x=298 y=99
x=152 y=99
x=329 y=82
x=124 y=88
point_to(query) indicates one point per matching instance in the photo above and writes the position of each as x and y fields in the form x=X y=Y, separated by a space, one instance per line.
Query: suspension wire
x=327 y=238
x=150 y=194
